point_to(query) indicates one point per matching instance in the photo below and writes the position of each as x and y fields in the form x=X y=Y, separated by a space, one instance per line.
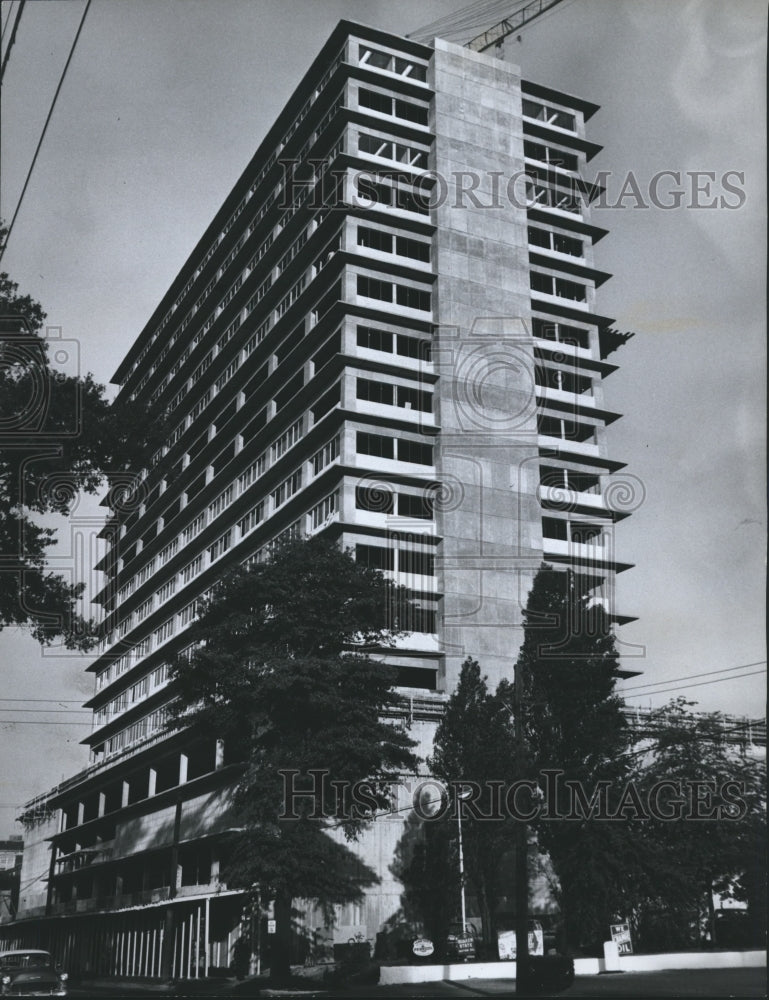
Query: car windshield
x=26 y=960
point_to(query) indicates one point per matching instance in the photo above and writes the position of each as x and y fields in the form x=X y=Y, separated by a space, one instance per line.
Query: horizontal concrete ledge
x=394 y=975
x=691 y=960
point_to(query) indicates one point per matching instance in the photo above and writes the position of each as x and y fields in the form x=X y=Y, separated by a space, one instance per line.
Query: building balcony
x=545 y=394
x=592 y=553
x=564 y=497
x=568 y=445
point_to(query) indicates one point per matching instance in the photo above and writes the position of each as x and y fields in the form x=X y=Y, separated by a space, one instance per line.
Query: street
x=689 y=983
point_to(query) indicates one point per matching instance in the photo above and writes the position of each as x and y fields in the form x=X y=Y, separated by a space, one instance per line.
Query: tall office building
x=387 y=334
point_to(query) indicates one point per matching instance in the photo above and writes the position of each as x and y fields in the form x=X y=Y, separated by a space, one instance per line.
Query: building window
x=187 y=614
x=287 y=488
x=373 y=288
x=416 y=563
x=376 y=498
x=252 y=518
x=168 y=551
x=191 y=570
x=561 y=333
x=413 y=249
x=549 y=115
x=221 y=503
x=321 y=512
x=144 y=609
x=393 y=64
x=375 y=392
x=166 y=590
x=416 y=505
x=220 y=546
x=413 y=298
x=374 y=101
x=325 y=456
x=415 y=399
x=286 y=440
x=375 y=557
x=165 y=631
x=374 y=444
x=415 y=452
x=375 y=239
x=375 y=340
x=194 y=528
x=252 y=473
x=547 y=154
x=414 y=347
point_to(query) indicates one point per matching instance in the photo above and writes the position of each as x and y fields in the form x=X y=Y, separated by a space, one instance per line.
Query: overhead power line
x=47 y=120
x=12 y=39
x=7 y=19
x=41 y=722
x=685 y=687
x=686 y=677
x=54 y=701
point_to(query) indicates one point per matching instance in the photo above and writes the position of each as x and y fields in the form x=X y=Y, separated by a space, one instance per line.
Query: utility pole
x=521 y=840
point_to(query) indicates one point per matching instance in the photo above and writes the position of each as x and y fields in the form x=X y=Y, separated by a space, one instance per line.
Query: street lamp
x=463 y=794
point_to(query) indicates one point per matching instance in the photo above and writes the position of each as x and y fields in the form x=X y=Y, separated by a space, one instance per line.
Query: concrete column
x=125 y=792
x=152 y=783
x=102 y=803
x=184 y=762
x=80 y=812
x=219 y=758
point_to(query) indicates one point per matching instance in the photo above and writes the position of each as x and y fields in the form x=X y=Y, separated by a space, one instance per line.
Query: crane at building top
x=467 y=19
x=499 y=31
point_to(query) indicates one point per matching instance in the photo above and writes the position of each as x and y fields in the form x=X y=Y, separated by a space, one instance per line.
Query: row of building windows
x=547 y=284
x=414 y=562
x=548 y=240
x=387 y=291
x=391 y=63
x=407 y=110
x=393 y=150
x=550 y=155
x=381 y=446
x=384 y=194
x=561 y=333
x=549 y=115
x=401 y=246
x=137 y=731
x=381 y=499
x=405 y=396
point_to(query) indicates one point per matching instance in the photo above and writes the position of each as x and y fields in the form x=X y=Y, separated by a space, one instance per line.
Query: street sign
x=507 y=946
x=271 y=925
x=620 y=935
x=422 y=948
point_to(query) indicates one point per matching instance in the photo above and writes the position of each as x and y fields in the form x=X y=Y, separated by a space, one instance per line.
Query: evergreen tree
x=474 y=743
x=275 y=678
x=574 y=724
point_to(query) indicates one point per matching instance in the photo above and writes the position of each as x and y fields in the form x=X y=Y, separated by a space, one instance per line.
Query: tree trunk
x=711 y=913
x=280 y=965
x=487 y=923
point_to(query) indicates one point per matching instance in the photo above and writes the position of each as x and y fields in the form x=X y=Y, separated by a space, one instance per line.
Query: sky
x=165 y=102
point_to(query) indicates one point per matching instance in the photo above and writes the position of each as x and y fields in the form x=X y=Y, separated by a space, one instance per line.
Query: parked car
x=29 y=972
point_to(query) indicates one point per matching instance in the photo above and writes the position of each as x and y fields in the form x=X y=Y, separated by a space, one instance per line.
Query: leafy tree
x=426 y=863
x=474 y=743
x=574 y=723
x=58 y=435
x=275 y=678
x=715 y=837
